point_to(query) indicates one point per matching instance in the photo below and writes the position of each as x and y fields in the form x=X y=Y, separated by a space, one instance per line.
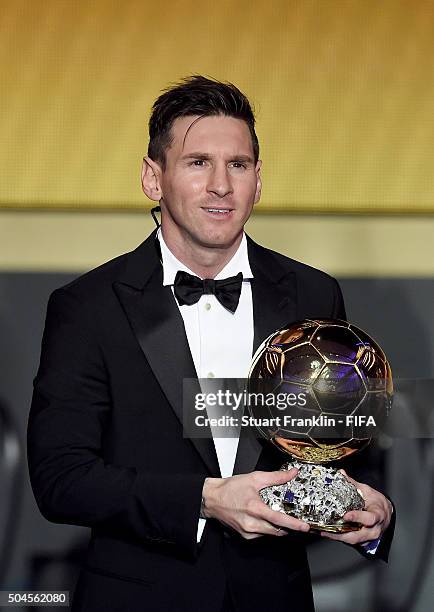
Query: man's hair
x=196 y=95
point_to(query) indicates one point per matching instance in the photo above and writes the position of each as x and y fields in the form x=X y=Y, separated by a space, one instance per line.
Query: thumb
x=280 y=476
x=349 y=477
x=362 y=489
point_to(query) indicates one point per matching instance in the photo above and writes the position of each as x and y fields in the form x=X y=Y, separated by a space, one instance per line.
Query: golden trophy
x=318 y=390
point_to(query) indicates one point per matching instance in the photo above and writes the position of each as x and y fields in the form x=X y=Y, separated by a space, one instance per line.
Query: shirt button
x=210 y=374
x=207 y=306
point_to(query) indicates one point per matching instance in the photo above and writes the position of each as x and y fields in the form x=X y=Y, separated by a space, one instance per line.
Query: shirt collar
x=171 y=265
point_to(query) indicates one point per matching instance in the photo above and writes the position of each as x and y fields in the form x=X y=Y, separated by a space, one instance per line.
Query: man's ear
x=258 y=182
x=151 y=173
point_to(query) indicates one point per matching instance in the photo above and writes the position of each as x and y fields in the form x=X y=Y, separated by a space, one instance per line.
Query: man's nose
x=219 y=181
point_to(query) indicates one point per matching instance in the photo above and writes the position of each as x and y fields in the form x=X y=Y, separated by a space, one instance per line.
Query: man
x=172 y=528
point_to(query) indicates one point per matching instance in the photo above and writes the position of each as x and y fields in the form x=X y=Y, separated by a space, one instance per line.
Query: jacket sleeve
x=71 y=407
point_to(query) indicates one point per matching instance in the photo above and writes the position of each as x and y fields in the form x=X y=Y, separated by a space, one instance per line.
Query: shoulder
x=317 y=293
x=276 y=263
x=94 y=285
x=84 y=303
x=96 y=278
x=92 y=294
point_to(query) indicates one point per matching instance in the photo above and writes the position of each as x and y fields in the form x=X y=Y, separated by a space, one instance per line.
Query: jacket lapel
x=274 y=294
x=158 y=326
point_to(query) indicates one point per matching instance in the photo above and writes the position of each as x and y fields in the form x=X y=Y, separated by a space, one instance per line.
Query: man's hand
x=375 y=518
x=236 y=502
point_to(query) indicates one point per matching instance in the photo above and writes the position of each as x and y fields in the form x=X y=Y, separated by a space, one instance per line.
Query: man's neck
x=204 y=261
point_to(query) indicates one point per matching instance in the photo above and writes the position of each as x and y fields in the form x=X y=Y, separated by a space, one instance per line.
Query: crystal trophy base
x=318 y=495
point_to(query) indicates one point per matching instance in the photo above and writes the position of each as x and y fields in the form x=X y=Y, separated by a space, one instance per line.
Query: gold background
x=343 y=89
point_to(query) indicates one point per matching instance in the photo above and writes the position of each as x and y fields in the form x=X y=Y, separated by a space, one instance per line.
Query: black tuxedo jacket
x=106 y=448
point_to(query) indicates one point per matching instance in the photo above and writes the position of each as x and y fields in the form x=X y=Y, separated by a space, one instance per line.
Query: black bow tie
x=189 y=289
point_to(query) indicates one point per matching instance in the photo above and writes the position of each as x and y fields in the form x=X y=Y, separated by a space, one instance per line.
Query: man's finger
x=260 y=527
x=354 y=482
x=364 y=489
x=360 y=486
x=340 y=537
x=365 y=517
x=273 y=529
x=352 y=537
x=250 y=536
x=278 y=477
x=283 y=520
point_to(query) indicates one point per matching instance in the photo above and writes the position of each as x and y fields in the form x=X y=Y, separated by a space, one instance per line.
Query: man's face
x=210 y=182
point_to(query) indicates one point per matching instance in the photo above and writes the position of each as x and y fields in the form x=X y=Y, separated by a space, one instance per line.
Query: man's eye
x=198 y=162
x=237 y=165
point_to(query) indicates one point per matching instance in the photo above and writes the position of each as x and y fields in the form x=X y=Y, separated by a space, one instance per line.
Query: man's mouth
x=218 y=211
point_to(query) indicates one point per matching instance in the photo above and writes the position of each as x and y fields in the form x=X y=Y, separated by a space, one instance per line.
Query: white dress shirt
x=220 y=341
